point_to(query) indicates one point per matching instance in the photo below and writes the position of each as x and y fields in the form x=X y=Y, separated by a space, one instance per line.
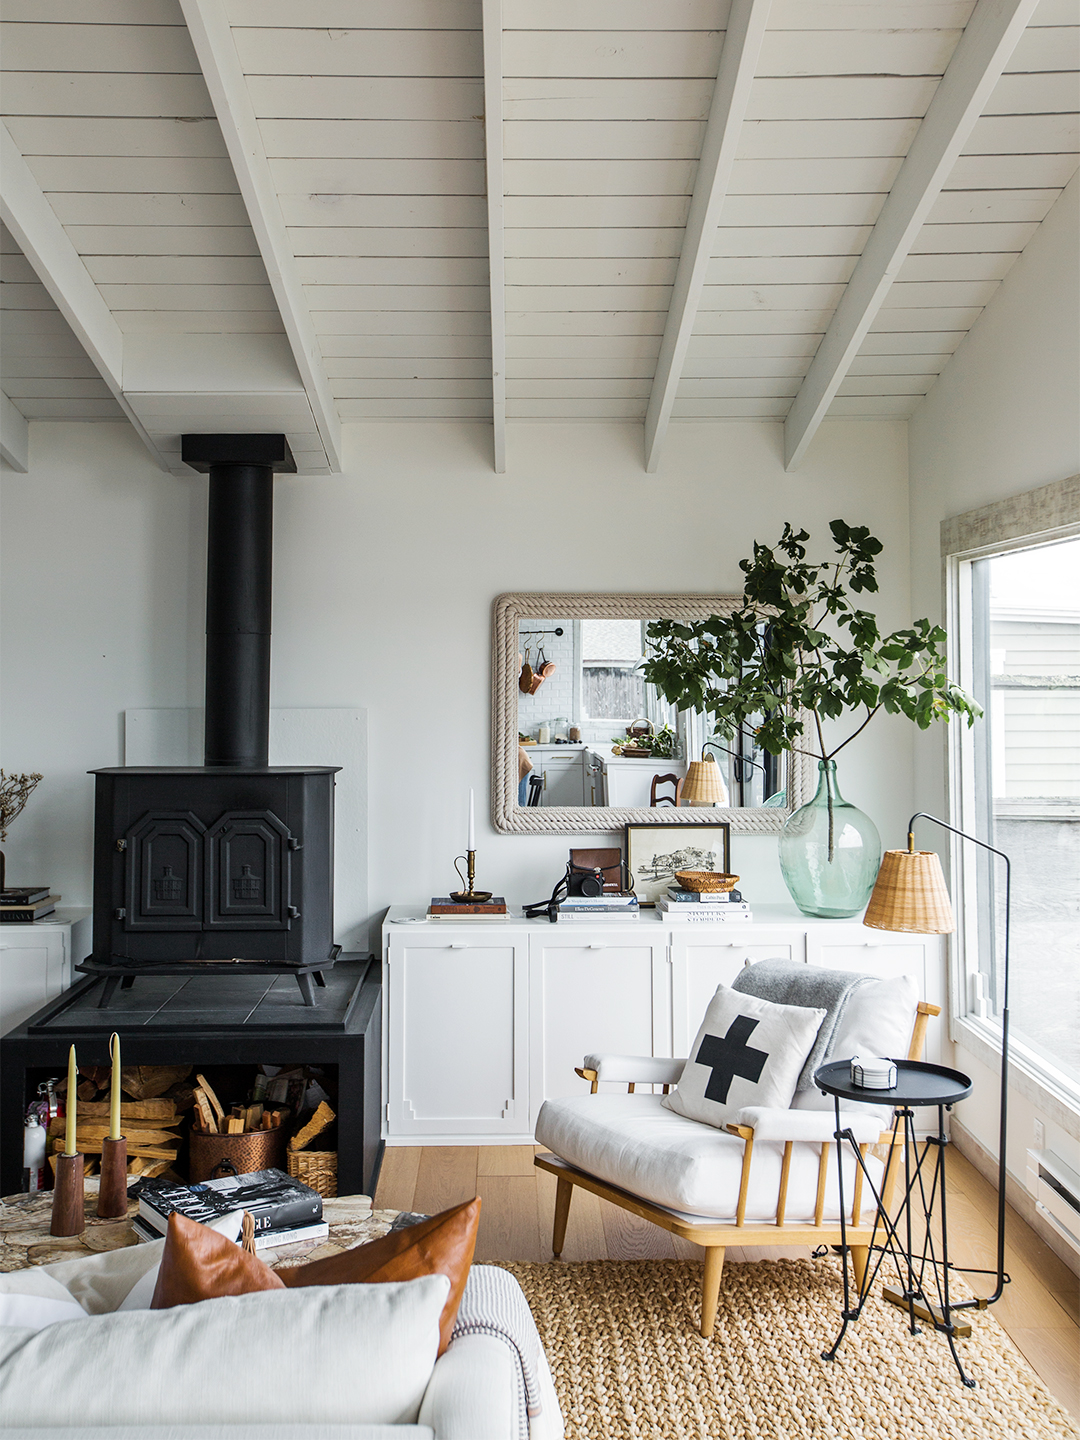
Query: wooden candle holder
x=68 y=1214
x=112 y=1192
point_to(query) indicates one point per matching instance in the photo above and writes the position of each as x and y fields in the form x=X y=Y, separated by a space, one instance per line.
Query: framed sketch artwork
x=655 y=852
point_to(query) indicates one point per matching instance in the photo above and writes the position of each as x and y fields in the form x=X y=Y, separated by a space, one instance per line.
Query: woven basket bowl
x=704 y=882
x=317 y=1168
x=257 y=1150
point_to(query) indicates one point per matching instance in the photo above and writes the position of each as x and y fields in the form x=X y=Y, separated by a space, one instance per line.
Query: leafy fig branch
x=800 y=650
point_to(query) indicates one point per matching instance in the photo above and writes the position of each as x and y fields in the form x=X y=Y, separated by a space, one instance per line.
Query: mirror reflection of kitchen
x=592 y=732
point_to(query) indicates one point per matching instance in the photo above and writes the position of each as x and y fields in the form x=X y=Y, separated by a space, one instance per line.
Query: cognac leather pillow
x=199 y=1264
x=442 y=1245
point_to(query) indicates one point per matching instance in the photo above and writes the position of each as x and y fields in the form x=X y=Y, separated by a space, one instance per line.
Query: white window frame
x=1037 y=517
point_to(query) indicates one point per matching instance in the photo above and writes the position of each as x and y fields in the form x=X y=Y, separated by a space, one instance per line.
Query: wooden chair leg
x=860 y=1258
x=564 y=1193
x=710 y=1290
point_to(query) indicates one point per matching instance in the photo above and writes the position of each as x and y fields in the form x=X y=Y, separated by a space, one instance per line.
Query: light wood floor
x=1040 y=1309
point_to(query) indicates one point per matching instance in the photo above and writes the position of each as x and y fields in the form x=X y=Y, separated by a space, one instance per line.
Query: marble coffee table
x=25 y=1238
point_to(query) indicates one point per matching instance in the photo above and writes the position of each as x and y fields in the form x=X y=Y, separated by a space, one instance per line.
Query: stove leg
x=127 y=982
x=306 y=988
x=320 y=979
x=108 y=990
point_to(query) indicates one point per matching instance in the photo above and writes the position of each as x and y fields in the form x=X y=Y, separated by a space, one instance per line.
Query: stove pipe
x=239 y=572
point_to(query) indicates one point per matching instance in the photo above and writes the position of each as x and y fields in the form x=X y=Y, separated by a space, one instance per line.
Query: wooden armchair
x=793 y=1150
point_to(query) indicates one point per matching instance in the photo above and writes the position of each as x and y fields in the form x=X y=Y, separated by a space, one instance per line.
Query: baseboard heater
x=1056 y=1188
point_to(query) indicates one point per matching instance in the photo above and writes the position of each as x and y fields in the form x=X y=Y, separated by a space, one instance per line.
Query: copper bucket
x=257 y=1150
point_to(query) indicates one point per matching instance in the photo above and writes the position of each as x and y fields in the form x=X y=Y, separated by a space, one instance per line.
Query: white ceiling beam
x=211 y=35
x=493 y=162
x=980 y=57
x=26 y=212
x=14 y=437
x=738 y=62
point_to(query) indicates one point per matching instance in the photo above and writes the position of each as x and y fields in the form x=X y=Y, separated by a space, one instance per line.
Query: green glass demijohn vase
x=829 y=852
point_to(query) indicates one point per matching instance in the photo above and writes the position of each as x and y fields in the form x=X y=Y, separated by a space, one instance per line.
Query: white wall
x=1003 y=418
x=102 y=608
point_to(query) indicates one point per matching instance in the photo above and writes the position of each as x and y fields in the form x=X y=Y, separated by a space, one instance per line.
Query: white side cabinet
x=36 y=962
x=484 y=1022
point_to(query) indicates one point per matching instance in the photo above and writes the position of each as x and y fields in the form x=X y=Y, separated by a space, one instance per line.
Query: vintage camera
x=585 y=880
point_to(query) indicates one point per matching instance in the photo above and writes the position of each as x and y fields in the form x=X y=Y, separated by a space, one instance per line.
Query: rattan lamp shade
x=910 y=894
x=704 y=785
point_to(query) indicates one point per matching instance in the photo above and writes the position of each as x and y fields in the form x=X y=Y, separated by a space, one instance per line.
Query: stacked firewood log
x=210 y=1117
x=157 y=1096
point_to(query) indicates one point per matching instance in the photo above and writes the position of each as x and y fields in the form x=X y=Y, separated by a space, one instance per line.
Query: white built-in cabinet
x=36 y=962
x=483 y=1022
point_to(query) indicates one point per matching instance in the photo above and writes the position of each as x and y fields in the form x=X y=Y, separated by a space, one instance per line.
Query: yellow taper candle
x=114 y=1093
x=71 y=1103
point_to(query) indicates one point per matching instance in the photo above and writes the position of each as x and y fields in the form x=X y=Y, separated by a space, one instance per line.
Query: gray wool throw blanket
x=786 y=982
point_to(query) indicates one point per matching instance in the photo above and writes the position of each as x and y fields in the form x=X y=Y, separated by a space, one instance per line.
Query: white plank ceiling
x=371 y=119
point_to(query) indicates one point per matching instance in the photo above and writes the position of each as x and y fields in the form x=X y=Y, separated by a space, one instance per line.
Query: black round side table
x=923 y=1295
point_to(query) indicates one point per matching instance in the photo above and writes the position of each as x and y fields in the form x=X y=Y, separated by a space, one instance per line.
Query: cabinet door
x=457 y=1036
x=593 y=992
x=563 y=780
x=705 y=959
x=32 y=971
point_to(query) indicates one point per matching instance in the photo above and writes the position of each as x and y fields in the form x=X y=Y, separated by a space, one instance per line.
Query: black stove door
x=248 y=861
x=164 y=872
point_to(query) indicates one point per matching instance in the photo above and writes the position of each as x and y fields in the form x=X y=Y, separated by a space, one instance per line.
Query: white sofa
x=349 y=1362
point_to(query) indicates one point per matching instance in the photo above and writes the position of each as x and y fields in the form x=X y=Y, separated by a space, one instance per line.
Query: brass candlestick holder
x=112 y=1192
x=469 y=895
x=68 y=1215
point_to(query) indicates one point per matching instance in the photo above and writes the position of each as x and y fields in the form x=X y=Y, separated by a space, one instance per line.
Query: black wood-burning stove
x=229 y=864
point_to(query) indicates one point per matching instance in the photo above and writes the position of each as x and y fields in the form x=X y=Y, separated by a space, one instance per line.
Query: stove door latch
x=294 y=913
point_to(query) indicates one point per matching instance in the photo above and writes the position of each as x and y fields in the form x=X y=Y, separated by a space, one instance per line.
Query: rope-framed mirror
x=566 y=675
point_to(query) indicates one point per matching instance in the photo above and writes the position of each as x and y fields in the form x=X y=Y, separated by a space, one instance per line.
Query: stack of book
x=442 y=907
x=599 y=907
x=709 y=907
x=18 y=905
x=284 y=1210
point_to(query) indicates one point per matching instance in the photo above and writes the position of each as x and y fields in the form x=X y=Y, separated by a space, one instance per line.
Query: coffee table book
x=23 y=894
x=274 y=1200
x=26 y=914
x=263 y=1239
x=443 y=908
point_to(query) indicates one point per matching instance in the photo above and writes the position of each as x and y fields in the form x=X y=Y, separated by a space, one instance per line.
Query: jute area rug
x=628 y=1361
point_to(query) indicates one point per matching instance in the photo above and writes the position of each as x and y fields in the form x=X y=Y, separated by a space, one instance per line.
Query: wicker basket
x=706 y=882
x=317 y=1168
x=257 y=1150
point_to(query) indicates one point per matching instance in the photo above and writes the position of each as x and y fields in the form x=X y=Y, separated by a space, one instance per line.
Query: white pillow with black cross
x=747 y=1052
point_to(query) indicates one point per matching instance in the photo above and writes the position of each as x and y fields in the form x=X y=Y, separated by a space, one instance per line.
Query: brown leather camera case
x=609 y=861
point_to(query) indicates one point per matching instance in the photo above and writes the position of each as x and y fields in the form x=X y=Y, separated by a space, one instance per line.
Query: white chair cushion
x=221 y=1361
x=634 y=1142
x=877 y=1020
x=747 y=1052
x=811 y=1125
x=635 y=1069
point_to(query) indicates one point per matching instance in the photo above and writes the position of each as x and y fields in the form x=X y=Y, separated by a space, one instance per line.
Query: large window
x=1018 y=617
